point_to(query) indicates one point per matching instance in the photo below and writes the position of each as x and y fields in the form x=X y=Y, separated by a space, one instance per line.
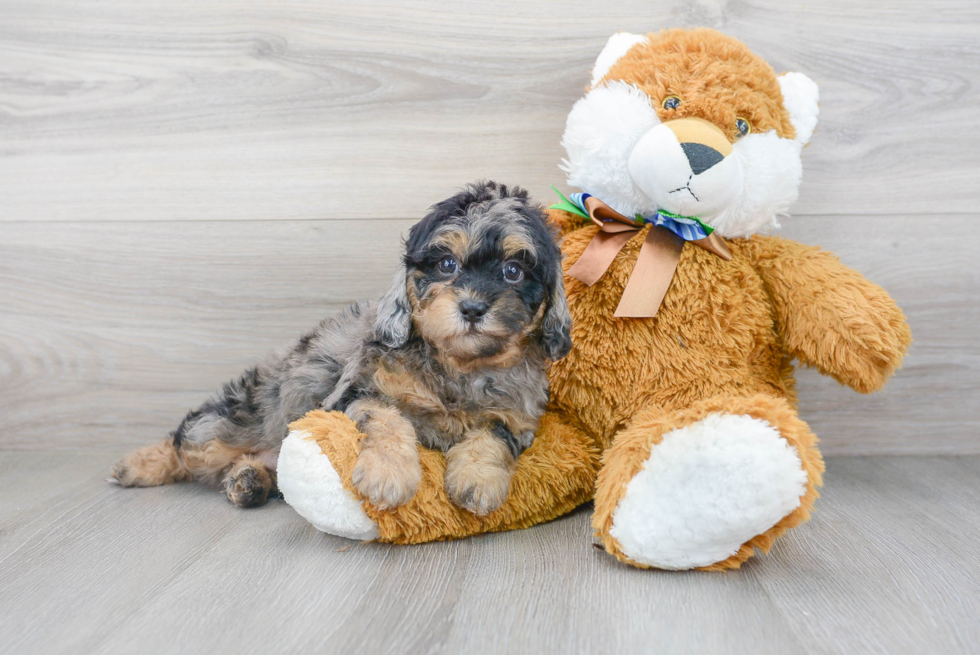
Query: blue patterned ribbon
x=687 y=228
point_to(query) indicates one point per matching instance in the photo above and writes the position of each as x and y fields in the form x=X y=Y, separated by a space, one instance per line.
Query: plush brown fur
x=716 y=77
x=723 y=346
x=723 y=340
x=553 y=476
x=726 y=346
x=632 y=448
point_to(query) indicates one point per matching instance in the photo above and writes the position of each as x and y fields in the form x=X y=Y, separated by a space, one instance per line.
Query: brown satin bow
x=655 y=264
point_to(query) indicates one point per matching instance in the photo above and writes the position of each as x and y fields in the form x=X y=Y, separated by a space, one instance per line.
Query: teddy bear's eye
x=742 y=126
x=671 y=102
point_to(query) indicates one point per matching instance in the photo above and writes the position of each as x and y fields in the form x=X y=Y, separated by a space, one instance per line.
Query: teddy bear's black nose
x=701 y=157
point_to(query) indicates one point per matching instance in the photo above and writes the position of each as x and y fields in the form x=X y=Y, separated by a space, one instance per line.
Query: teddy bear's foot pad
x=311 y=485
x=705 y=490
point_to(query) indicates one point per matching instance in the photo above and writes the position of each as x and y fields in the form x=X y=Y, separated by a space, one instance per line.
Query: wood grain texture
x=189 y=110
x=894 y=540
x=111 y=331
x=889 y=563
x=151 y=154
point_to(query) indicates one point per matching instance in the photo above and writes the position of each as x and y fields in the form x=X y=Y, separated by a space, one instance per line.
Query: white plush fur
x=705 y=490
x=619 y=151
x=600 y=133
x=659 y=167
x=309 y=482
x=617 y=46
x=772 y=171
x=801 y=97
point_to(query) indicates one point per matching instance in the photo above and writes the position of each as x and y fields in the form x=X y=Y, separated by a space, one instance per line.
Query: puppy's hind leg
x=151 y=466
x=167 y=461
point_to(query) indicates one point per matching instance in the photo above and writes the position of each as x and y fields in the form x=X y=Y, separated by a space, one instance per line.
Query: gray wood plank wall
x=186 y=184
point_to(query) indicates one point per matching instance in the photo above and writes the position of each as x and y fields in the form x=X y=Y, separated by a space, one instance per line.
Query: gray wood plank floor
x=890 y=563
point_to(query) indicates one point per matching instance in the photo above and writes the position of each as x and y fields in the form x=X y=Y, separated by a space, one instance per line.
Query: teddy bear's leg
x=705 y=486
x=309 y=479
x=552 y=477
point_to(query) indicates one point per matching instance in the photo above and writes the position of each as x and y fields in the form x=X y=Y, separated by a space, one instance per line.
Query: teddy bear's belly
x=714 y=335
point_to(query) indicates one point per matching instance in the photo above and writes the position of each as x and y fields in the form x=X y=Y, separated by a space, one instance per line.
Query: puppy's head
x=481 y=280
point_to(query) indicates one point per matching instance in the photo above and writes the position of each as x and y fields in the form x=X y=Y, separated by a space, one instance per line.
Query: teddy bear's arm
x=830 y=316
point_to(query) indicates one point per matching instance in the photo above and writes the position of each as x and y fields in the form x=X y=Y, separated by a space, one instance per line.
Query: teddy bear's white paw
x=705 y=490
x=309 y=482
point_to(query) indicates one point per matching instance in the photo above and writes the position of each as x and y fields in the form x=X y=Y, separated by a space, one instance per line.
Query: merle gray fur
x=333 y=365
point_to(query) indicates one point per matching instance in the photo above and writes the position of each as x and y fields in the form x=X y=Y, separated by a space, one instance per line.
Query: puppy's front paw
x=387 y=477
x=480 y=487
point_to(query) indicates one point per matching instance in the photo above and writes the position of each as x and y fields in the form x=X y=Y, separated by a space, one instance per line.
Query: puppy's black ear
x=394 y=322
x=556 y=326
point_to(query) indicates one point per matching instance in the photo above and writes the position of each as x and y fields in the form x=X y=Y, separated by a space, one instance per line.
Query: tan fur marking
x=478 y=471
x=437 y=317
x=401 y=386
x=439 y=324
x=387 y=471
x=432 y=292
x=210 y=463
x=508 y=355
x=514 y=244
x=397 y=383
x=516 y=421
x=151 y=466
x=456 y=240
x=246 y=479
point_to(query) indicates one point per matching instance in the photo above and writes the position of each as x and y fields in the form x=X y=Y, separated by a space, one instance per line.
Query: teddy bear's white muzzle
x=685 y=174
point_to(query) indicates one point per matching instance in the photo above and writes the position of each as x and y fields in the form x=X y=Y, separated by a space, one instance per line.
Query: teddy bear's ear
x=800 y=97
x=617 y=46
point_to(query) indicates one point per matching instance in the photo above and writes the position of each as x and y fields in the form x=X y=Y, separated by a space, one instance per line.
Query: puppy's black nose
x=701 y=157
x=473 y=310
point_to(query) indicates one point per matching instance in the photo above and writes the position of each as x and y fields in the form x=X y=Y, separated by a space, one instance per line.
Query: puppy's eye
x=513 y=272
x=742 y=128
x=448 y=265
x=671 y=102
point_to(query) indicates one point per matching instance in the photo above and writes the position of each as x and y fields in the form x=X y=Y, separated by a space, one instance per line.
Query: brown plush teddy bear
x=675 y=409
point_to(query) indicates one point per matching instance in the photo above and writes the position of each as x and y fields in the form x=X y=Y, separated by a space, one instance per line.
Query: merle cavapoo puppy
x=451 y=357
